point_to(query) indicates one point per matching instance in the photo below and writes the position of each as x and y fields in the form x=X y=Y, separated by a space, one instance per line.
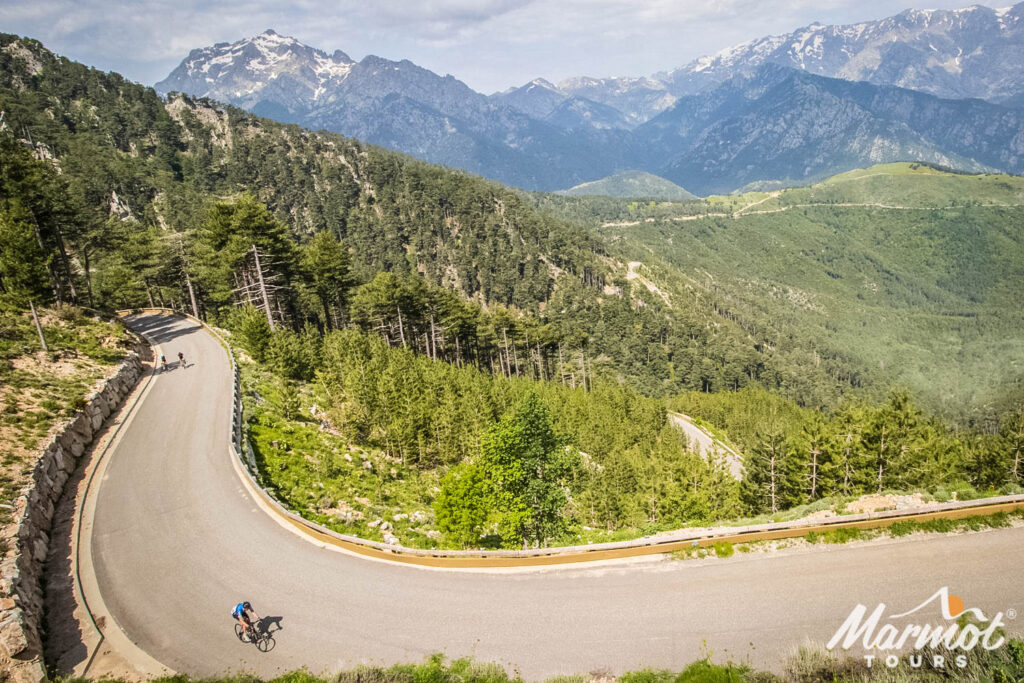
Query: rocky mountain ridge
x=974 y=52
x=705 y=126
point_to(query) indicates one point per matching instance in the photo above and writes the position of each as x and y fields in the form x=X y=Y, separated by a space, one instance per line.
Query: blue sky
x=489 y=44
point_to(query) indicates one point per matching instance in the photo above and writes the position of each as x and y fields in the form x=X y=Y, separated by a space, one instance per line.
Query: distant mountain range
x=401 y=106
x=787 y=125
x=789 y=108
x=972 y=52
x=954 y=54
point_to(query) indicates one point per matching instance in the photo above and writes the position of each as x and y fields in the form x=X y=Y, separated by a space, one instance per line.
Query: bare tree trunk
x=401 y=329
x=503 y=363
x=433 y=337
x=515 y=356
x=504 y=336
x=561 y=376
x=814 y=473
x=192 y=297
x=881 y=459
x=847 y=474
x=328 y=323
x=88 y=277
x=39 y=328
x=67 y=265
x=263 y=288
x=58 y=291
x=281 y=317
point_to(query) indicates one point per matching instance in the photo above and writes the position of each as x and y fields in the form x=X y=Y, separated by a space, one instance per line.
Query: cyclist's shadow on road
x=270 y=625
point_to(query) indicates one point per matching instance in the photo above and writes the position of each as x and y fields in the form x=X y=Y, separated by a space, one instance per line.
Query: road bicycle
x=263 y=641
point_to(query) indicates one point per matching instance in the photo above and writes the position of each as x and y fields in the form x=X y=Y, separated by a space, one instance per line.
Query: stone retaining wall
x=21 y=595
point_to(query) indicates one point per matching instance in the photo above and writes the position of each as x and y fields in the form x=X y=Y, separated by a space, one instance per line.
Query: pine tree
x=768 y=482
x=527 y=469
x=233 y=236
x=1012 y=435
x=850 y=468
x=815 y=451
x=23 y=265
x=254 y=331
x=325 y=264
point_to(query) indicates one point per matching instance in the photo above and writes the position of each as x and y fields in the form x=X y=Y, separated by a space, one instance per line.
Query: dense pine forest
x=431 y=436
x=512 y=366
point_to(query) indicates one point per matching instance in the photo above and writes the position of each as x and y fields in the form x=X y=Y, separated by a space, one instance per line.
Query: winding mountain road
x=706 y=445
x=177 y=540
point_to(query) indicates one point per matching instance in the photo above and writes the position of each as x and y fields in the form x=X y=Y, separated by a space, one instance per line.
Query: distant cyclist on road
x=244 y=613
x=181 y=359
x=163 y=361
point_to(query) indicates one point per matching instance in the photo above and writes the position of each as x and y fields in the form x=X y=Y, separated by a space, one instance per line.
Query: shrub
x=67 y=312
x=462 y=504
x=706 y=672
x=903 y=528
x=648 y=676
x=294 y=356
x=963 y=491
x=842 y=535
x=811 y=665
x=291 y=403
x=723 y=549
x=253 y=330
x=941 y=526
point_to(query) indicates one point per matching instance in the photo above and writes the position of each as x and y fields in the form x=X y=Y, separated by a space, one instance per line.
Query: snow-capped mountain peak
x=970 y=52
x=246 y=70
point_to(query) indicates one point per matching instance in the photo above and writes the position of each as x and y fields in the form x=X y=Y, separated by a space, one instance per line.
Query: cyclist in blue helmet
x=245 y=614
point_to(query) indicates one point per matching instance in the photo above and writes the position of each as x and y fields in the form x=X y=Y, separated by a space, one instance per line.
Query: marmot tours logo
x=959 y=631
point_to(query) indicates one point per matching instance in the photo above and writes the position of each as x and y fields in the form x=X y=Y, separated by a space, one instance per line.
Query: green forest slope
x=127 y=182
x=912 y=273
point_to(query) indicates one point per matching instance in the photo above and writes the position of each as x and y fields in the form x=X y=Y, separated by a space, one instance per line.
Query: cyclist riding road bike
x=244 y=613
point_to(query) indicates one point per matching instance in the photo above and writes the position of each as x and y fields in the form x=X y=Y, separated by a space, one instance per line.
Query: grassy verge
x=999 y=520
x=807 y=665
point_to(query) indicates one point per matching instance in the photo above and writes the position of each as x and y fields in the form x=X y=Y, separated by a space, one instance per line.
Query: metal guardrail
x=660 y=543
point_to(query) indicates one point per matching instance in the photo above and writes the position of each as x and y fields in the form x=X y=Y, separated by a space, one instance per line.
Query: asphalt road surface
x=705 y=444
x=178 y=541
